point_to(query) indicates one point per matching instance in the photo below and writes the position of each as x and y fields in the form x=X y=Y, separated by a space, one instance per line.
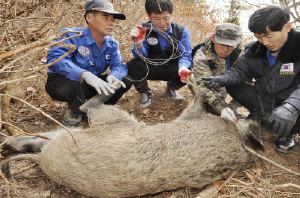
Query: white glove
x=98 y=83
x=228 y=114
x=111 y=79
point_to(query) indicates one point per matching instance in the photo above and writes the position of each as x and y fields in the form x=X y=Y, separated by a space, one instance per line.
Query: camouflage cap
x=228 y=34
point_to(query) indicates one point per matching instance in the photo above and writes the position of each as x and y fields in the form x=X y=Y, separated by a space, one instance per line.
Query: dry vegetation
x=27 y=29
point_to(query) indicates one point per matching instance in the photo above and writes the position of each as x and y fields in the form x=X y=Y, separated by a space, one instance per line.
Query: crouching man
x=274 y=62
x=79 y=76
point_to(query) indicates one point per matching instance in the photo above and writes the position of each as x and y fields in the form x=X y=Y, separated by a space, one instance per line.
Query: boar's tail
x=97 y=100
x=195 y=107
x=193 y=86
x=198 y=98
x=5 y=163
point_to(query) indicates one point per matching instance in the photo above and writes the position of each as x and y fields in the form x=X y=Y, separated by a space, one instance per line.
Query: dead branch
x=72 y=48
x=35 y=44
x=7 y=123
x=23 y=132
x=42 y=112
x=24 y=169
x=64 y=20
x=38 y=49
x=270 y=161
x=286 y=185
x=11 y=81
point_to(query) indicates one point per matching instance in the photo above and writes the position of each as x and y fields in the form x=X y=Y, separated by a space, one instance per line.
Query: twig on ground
x=286 y=185
x=270 y=161
x=24 y=169
x=15 y=80
x=19 y=129
x=42 y=112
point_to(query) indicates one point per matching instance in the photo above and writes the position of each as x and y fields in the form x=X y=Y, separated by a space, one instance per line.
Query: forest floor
x=261 y=180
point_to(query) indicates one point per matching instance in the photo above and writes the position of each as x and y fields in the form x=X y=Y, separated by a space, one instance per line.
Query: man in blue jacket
x=79 y=76
x=274 y=62
x=169 y=61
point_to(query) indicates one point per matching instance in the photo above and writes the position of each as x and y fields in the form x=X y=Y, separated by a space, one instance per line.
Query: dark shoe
x=146 y=100
x=71 y=118
x=285 y=144
x=173 y=94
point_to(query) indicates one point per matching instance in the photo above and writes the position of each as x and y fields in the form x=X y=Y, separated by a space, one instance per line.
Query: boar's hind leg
x=5 y=163
x=20 y=144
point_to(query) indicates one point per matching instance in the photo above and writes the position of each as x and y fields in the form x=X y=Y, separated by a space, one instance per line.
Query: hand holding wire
x=138 y=34
x=184 y=73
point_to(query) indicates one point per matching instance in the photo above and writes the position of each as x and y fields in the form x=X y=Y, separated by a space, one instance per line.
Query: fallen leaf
x=209 y=192
x=251 y=177
x=219 y=185
x=161 y=117
x=30 y=90
x=257 y=171
x=146 y=111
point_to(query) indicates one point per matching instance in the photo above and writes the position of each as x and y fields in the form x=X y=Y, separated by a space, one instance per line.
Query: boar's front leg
x=21 y=144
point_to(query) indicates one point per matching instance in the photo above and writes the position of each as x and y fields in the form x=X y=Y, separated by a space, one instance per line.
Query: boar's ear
x=250 y=129
x=254 y=142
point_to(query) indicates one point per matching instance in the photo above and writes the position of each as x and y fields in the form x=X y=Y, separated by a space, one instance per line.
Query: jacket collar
x=90 y=40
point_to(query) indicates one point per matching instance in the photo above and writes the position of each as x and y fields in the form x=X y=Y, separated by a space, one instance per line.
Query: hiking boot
x=146 y=100
x=71 y=118
x=173 y=94
x=285 y=144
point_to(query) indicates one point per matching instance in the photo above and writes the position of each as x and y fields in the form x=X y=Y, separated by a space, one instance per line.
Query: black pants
x=246 y=95
x=76 y=93
x=140 y=72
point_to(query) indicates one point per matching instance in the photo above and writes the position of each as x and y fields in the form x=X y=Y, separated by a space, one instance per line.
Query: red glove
x=139 y=33
x=184 y=73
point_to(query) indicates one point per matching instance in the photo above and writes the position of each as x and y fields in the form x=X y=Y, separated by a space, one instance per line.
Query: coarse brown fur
x=121 y=157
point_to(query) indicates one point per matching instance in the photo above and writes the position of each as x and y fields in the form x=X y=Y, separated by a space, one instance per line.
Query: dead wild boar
x=119 y=156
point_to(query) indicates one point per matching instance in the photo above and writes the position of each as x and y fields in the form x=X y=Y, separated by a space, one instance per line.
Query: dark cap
x=228 y=34
x=103 y=6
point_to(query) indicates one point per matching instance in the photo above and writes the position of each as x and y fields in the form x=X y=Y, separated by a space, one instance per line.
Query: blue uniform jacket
x=87 y=56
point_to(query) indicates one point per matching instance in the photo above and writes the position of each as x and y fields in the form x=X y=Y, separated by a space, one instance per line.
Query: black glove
x=282 y=119
x=214 y=82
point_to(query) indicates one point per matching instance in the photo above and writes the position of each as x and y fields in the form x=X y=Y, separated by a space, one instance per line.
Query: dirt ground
x=262 y=180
